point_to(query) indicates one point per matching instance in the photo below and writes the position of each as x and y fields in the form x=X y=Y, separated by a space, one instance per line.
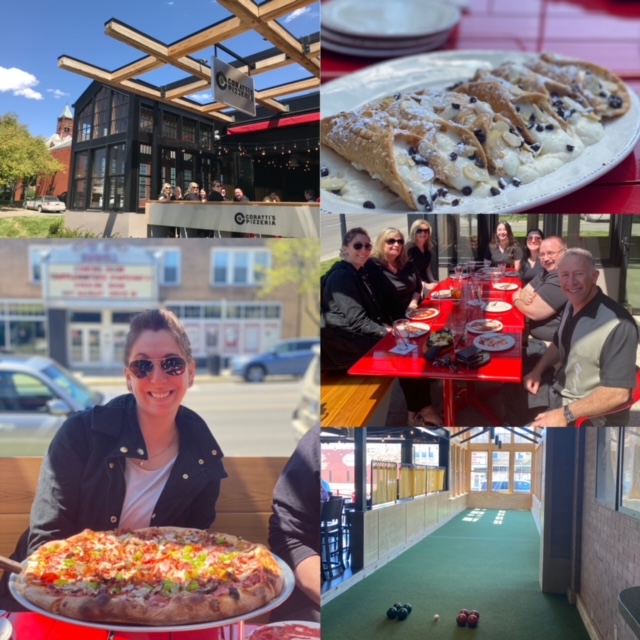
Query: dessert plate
x=437 y=71
x=497 y=306
x=484 y=326
x=426 y=313
x=505 y=286
x=494 y=342
x=413 y=329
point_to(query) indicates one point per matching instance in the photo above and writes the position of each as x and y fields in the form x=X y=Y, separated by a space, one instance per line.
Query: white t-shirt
x=144 y=487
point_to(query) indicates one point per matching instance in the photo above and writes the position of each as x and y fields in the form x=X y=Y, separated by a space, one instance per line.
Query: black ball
x=398 y=605
x=408 y=607
x=392 y=613
x=402 y=613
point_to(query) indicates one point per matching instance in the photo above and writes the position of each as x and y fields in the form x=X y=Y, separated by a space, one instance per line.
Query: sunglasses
x=535 y=238
x=423 y=230
x=392 y=241
x=172 y=366
x=358 y=245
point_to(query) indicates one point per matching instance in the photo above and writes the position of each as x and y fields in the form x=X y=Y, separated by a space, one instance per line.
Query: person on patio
x=531 y=265
x=593 y=351
x=397 y=287
x=419 y=250
x=541 y=302
x=504 y=248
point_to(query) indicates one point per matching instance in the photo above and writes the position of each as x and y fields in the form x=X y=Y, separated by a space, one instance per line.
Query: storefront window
x=145 y=123
x=80 y=180
x=500 y=471
x=206 y=136
x=479 y=461
x=170 y=126
x=97 y=178
x=85 y=118
x=630 y=489
x=522 y=471
x=101 y=113
x=188 y=130
x=119 y=113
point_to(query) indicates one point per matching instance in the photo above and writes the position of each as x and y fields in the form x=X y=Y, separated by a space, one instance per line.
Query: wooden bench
x=244 y=506
x=354 y=401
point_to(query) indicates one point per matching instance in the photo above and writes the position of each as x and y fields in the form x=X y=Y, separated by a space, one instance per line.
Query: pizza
x=287 y=631
x=426 y=313
x=153 y=576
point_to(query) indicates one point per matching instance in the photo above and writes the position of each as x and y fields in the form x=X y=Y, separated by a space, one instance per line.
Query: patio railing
x=391 y=481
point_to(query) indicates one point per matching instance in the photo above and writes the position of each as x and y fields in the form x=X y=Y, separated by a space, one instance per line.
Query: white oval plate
x=441 y=294
x=369 y=42
x=484 y=326
x=389 y=18
x=497 y=306
x=439 y=70
x=505 y=286
x=361 y=50
x=413 y=329
x=314 y=626
x=426 y=313
x=494 y=342
x=512 y=274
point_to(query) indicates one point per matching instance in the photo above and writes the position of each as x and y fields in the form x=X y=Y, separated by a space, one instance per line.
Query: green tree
x=23 y=157
x=296 y=263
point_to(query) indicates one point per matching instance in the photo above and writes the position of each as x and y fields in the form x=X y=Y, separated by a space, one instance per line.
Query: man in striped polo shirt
x=593 y=351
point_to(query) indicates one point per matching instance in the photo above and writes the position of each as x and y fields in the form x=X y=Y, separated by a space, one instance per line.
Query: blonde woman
x=419 y=250
x=397 y=287
x=194 y=192
x=167 y=192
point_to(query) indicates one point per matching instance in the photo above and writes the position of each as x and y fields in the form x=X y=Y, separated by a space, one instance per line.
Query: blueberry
x=532 y=117
x=478 y=133
x=473 y=99
x=455 y=105
x=455 y=203
x=422 y=199
x=367 y=204
x=539 y=127
x=479 y=162
x=549 y=127
x=324 y=171
x=570 y=147
x=517 y=108
x=412 y=151
x=467 y=190
x=397 y=96
x=516 y=182
x=535 y=147
x=453 y=156
x=428 y=206
x=502 y=183
x=495 y=191
x=561 y=113
x=603 y=94
x=615 y=102
x=442 y=192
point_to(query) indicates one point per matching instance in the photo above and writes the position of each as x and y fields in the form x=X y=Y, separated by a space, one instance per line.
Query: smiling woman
x=140 y=460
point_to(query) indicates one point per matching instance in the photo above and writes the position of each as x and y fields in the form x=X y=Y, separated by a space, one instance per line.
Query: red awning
x=274 y=124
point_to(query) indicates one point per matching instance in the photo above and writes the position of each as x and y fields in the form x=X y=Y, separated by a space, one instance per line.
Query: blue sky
x=37 y=33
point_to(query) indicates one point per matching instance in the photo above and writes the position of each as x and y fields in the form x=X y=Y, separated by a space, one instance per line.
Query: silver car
x=36 y=396
x=307 y=412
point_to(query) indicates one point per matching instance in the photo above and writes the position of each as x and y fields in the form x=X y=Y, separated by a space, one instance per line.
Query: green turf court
x=482 y=559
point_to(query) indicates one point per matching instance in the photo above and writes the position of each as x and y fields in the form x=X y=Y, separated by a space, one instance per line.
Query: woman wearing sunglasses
x=531 y=265
x=419 y=250
x=398 y=288
x=142 y=459
x=351 y=322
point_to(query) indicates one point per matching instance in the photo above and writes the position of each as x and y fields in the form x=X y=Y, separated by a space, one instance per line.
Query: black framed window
x=206 y=136
x=80 y=180
x=119 y=113
x=188 y=130
x=630 y=472
x=144 y=174
x=117 y=157
x=170 y=126
x=101 y=113
x=84 y=128
x=145 y=122
x=98 y=171
x=607 y=465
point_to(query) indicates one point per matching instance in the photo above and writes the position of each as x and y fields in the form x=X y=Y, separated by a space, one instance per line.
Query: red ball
x=466 y=613
x=475 y=613
x=472 y=620
x=461 y=619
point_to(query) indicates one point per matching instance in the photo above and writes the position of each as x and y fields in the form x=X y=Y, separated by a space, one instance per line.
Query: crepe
x=505 y=127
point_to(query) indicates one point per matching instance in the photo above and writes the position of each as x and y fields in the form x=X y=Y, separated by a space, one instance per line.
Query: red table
x=33 y=626
x=606 y=32
x=504 y=366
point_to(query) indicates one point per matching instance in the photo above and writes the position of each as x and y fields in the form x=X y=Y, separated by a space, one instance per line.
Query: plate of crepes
x=497 y=306
x=164 y=578
x=411 y=329
x=468 y=131
x=494 y=342
x=441 y=294
x=423 y=313
x=505 y=286
x=289 y=630
x=484 y=326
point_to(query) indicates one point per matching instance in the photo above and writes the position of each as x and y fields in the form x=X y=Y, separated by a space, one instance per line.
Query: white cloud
x=202 y=97
x=297 y=13
x=19 y=82
x=57 y=93
x=170 y=3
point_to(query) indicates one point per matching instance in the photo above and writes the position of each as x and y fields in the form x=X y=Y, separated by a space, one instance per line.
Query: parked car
x=289 y=357
x=503 y=485
x=48 y=204
x=36 y=396
x=307 y=413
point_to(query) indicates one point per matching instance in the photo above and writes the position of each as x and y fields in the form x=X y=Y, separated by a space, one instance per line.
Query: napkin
x=403 y=349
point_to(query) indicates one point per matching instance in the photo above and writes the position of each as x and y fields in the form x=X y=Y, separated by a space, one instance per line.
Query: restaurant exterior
x=74 y=301
x=126 y=146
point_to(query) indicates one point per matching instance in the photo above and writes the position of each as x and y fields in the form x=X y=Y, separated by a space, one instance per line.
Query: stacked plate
x=387 y=28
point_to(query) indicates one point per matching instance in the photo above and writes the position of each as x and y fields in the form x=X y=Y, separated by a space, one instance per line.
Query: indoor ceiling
x=184 y=55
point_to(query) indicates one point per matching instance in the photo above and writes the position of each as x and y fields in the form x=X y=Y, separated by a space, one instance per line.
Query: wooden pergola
x=183 y=54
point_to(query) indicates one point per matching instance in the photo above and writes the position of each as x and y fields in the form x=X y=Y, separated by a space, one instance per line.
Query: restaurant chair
x=635 y=397
x=331 y=534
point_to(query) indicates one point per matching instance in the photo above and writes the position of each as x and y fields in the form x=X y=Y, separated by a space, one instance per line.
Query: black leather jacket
x=82 y=483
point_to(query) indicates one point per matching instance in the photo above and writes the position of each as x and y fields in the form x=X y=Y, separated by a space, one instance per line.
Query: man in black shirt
x=215 y=195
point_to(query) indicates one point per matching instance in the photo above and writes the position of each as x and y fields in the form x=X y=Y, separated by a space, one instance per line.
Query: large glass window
x=85 y=119
x=522 y=471
x=630 y=489
x=119 y=113
x=97 y=178
x=479 y=460
x=101 y=113
x=80 y=180
x=117 y=157
x=171 y=267
x=188 y=130
x=206 y=136
x=239 y=267
x=145 y=123
x=170 y=126
x=144 y=175
x=500 y=471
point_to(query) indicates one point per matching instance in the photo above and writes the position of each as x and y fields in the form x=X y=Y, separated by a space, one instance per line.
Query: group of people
x=144 y=459
x=580 y=346
x=195 y=194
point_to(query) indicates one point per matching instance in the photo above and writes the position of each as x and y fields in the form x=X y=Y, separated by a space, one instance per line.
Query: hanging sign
x=232 y=87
